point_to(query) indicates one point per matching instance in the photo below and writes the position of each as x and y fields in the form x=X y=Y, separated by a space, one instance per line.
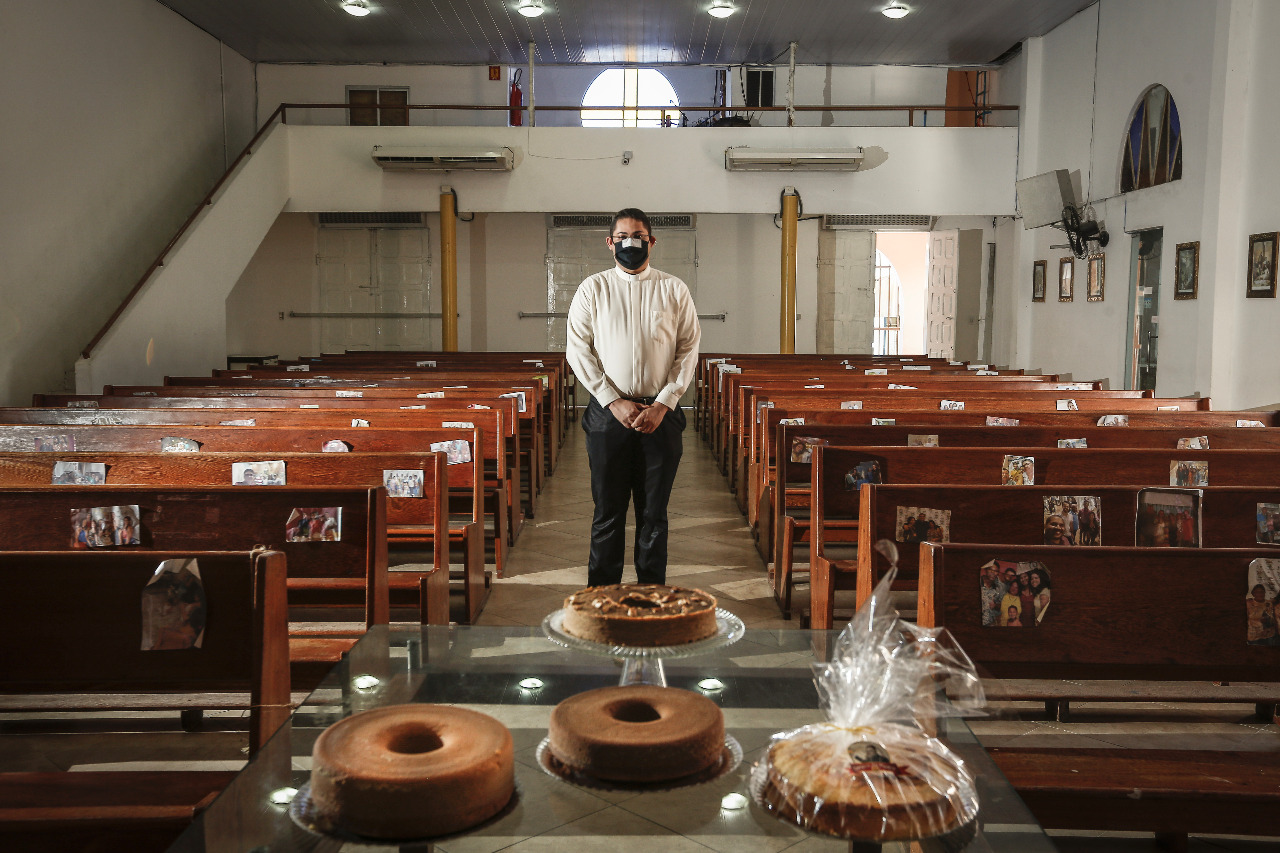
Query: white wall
x=115 y=118
x=177 y=325
x=1215 y=59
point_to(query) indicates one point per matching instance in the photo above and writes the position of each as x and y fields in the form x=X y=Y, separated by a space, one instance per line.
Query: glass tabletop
x=763 y=683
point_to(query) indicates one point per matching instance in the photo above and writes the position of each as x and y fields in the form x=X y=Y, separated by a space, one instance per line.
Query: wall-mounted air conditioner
x=453 y=159
x=793 y=159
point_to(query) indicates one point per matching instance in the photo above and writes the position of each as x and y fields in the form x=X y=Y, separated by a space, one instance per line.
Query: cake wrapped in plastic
x=871 y=771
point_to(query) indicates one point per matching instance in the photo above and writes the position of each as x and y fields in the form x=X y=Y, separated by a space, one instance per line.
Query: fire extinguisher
x=516 y=101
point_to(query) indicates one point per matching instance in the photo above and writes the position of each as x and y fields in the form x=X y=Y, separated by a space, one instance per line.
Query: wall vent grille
x=604 y=220
x=375 y=219
x=880 y=222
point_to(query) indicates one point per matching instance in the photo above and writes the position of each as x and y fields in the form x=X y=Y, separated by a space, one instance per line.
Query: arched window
x=624 y=89
x=1153 y=144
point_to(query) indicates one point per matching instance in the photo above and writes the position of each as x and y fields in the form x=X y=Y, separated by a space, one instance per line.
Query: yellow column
x=790 y=216
x=448 y=270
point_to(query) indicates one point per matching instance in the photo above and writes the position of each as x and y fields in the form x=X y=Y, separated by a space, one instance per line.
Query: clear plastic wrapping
x=872 y=771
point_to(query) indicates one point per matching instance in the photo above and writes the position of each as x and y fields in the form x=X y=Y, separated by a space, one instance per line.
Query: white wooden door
x=365 y=272
x=943 y=267
x=846 y=291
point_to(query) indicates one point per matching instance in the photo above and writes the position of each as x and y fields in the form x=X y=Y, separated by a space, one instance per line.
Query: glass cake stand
x=643 y=664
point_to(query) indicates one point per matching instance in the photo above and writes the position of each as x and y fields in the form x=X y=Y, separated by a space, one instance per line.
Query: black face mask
x=631 y=252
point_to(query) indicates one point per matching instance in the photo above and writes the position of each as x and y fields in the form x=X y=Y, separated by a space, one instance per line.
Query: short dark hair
x=631 y=213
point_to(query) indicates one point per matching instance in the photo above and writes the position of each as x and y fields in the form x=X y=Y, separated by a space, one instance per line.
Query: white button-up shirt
x=633 y=336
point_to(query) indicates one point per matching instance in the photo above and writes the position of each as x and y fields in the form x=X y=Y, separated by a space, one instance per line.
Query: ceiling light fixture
x=895 y=11
x=721 y=9
x=359 y=8
x=530 y=8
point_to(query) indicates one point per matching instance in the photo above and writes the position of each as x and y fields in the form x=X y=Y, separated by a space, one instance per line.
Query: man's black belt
x=644 y=401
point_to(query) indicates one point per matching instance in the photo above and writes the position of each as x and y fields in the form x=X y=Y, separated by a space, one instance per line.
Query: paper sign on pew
x=978 y=367
x=174 y=607
x=998 y=421
x=1249 y=423
x=951 y=405
x=534 y=362
x=884 y=421
x=455 y=387
x=359 y=422
x=171 y=444
x=721 y=370
x=413 y=407
x=893 y=386
x=424 y=364
x=457 y=425
x=988 y=373
x=476 y=406
x=456 y=451
x=851 y=404
x=349 y=393
x=1067 y=406
x=431 y=395
x=518 y=396
x=807 y=387
x=93 y=404
x=876 y=371
x=916 y=367
x=298 y=368
x=309 y=406
x=240 y=422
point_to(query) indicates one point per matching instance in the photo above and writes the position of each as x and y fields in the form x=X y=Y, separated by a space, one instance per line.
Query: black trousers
x=625 y=466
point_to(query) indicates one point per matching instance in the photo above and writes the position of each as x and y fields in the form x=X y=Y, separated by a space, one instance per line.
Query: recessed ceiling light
x=895 y=11
x=530 y=8
x=721 y=9
x=359 y=8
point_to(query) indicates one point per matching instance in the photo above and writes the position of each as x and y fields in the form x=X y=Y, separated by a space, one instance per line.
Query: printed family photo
x=1188 y=474
x=1262 y=602
x=790 y=421
x=863 y=472
x=1168 y=518
x=103 y=526
x=257 y=473
x=1269 y=524
x=171 y=444
x=1073 y=442
x=1113 y=420
x=922 y=441
x=403 y=483
x=456 y=451
x=1072 y=520
x=1013 y=594
x=335 y=445
x=1199 y=442
x=55 y=444
x=995 y=421
x=173 y=607
x=851 y=404
x=1018 y=471
x=79 y=473
x=920 y=524
x=884 y=421
x=1067 y=405
x=802 y=448
x=314 y=524
x=952 y=405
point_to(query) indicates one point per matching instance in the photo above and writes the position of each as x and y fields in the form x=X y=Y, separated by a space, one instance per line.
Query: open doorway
x=1144 y=311
x=901 y=292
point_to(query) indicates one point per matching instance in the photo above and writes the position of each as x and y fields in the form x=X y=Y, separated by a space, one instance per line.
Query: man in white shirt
x=633 y=344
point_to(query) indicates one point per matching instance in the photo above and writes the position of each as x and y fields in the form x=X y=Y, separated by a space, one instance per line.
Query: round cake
x=858 y=791
x=412 y=771
x=640 y=615
x=637 y=733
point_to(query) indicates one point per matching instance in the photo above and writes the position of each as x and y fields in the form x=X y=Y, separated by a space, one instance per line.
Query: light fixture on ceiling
x=721 y=9
x=895 y=11
x=530 y=8
x=359 y=8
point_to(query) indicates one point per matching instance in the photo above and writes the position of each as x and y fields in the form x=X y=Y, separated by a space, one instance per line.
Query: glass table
x=763 y=683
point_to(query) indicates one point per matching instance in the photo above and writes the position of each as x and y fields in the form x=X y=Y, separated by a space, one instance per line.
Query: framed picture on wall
x=1038 y=275
x=1066 y=279
x=1097 y=272
x=1262 y=265
x=1186 y=280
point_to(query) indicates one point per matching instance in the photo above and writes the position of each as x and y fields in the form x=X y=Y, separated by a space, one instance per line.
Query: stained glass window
x=1153 y=144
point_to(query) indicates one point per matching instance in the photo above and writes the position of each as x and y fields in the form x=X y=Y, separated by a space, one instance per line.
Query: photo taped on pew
x=1261 y=602
x=1014 y=594
x=1072 y=520
x=921 y=524
x=802 y=448
x=864 y=472
x=1168 y=518
x=1268 y=532
x=314 y=524
x=103 y=526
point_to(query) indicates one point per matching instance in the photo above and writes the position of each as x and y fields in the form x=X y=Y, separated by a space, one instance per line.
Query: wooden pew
x=72 y=629
x=411 y=521
x=1057 y=467
x=1083 y=637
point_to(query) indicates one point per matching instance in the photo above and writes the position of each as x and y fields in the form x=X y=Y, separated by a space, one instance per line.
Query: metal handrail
x=87 y=352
